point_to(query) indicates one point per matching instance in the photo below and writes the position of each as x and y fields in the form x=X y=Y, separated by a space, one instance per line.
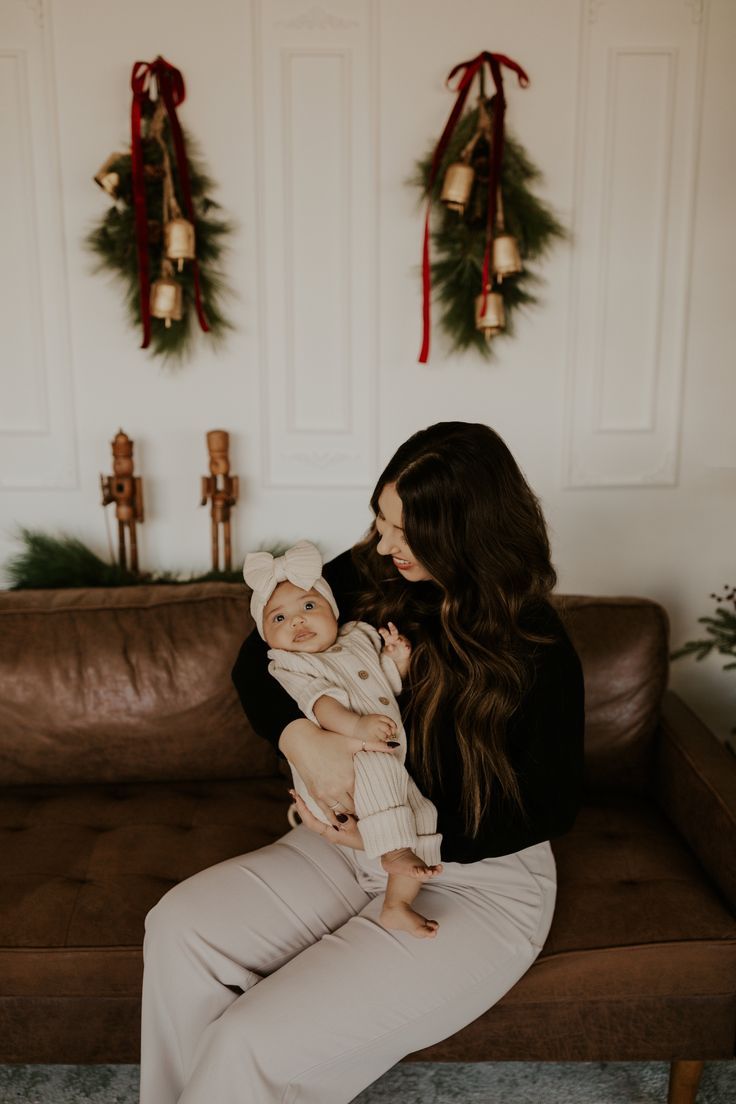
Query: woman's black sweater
x=544 y=735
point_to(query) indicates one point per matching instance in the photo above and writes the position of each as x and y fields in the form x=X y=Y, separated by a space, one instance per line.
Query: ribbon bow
x=469 y=69
x=300 y=565
x=171 y=89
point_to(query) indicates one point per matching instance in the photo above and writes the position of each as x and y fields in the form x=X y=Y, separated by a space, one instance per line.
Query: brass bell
x=457 y=186
x=179 y=241
x=166 y=300
x=506 y=256
x=493 y=319
x=109 y=181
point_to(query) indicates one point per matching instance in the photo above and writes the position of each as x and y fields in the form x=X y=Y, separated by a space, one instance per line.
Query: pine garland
x=113 y=240
x=458 y=241
x=46 y=562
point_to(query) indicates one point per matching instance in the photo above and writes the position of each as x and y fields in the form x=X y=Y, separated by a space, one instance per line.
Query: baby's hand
x=394 y=644
x=374 y=726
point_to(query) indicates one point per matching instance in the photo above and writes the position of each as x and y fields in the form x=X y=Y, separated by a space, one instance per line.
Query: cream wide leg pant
x=268 y=979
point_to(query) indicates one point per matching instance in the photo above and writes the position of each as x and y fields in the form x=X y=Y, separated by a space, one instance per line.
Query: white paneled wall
x=316 y=107
x=616 y=395
x=639 y=104
x=37 y=430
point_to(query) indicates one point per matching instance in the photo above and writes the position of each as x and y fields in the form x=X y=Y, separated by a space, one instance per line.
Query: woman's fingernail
x=341 y=817
x=392 y=743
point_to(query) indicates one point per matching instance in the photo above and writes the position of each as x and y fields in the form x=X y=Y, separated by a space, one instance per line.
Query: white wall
x=616 y=396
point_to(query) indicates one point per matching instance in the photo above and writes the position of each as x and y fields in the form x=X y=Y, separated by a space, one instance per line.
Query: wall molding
x=317 y=321
x=38 y=444
x=628 y=310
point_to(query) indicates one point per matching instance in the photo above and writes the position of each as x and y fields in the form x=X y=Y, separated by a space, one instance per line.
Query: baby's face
x=298 y=620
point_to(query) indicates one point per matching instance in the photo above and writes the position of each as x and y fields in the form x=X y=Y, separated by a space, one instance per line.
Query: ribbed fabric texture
x=391 y=810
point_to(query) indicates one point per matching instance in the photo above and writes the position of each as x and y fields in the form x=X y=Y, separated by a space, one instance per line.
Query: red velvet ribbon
x=469 y=70
x=171 y=89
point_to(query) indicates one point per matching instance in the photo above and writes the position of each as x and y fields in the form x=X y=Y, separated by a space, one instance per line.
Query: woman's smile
x=392 y=539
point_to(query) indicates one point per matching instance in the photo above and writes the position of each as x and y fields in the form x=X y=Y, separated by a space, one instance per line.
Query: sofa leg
x=684 y=1081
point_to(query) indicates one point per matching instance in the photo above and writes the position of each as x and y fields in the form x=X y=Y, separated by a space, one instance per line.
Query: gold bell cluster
x=457 y=193
x=178 y=232
x=178 y=237
x=107 y=175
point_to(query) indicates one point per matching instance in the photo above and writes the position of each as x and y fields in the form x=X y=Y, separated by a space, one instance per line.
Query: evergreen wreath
x=114 y=239
x=459 y=240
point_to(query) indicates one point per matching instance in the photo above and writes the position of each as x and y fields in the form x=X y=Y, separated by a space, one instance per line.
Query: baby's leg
x=408 y=863
x=397 y=913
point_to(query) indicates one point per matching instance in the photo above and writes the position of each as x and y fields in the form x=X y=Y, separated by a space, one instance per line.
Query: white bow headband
x=300 y=565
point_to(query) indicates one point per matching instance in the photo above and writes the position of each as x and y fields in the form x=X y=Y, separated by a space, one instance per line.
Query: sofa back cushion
x=623 y=644
x=133 y=684
x=125 y=684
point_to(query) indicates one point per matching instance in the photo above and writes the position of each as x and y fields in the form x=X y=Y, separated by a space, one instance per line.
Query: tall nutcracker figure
x=220 y=489
x=126 y=491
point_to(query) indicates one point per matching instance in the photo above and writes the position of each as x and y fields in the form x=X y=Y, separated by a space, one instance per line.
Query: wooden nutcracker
x=126 y=491
x=221 y=489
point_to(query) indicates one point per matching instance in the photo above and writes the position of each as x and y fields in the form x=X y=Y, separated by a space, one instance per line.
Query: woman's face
x=392 y=541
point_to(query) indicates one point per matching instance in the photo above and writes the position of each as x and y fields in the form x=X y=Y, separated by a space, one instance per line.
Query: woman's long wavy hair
x=471 y=519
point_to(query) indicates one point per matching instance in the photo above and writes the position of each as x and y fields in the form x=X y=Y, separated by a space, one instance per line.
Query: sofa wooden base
x=684 y=1080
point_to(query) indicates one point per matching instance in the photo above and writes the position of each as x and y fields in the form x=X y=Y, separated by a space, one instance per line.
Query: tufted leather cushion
x=122 y=684
x=623 y=644
x=125 y=696
x=640 y=961
x=133 y=683
x=638 y=929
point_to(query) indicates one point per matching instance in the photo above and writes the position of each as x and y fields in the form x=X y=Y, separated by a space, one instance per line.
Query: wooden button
x=363 y=674
x=336 y=648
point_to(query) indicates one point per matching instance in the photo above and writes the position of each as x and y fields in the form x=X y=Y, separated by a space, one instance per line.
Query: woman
x=267 y=977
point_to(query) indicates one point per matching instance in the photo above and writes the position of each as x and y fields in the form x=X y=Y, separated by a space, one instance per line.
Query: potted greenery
x=721 y=631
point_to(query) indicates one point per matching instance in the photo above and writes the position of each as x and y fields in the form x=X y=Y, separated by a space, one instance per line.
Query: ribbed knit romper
x=391 y=811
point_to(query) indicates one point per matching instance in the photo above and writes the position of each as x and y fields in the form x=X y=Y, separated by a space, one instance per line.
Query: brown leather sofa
x=126 y=765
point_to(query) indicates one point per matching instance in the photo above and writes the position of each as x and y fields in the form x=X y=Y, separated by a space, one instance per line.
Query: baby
x=340 y=678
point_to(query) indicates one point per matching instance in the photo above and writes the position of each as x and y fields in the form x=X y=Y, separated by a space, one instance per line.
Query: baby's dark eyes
x=310 y=605
x=278 y=617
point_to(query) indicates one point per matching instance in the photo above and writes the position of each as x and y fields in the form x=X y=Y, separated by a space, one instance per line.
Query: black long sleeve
x=544 y=736
x=545 y=739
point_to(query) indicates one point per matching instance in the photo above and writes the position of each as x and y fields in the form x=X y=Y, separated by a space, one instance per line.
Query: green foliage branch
x=458 y=241
x=46 y=562
x=721 y=630
x=113 y=240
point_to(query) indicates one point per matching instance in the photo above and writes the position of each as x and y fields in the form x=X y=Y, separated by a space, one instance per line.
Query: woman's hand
x=324 y=760
x=346 y=834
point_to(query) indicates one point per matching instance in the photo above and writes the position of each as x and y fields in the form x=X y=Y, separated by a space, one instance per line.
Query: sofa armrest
x=695 y=784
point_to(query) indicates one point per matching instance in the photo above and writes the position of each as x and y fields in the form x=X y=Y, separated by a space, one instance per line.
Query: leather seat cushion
x=640 y=936
x=83 y=865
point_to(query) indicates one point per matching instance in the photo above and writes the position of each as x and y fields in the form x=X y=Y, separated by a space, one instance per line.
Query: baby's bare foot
x=404 y=861
x=402 y=917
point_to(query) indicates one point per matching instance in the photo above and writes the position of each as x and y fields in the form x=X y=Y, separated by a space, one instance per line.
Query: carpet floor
x=411 y=1083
